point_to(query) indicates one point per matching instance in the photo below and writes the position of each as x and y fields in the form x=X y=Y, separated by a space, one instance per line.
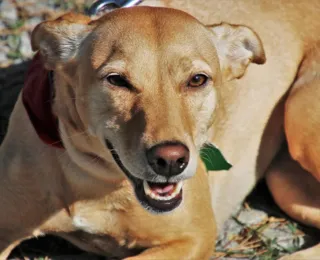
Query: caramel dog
x=137 y=93
x=133 y=96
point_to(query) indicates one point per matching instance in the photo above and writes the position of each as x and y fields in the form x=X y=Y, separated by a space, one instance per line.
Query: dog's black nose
x=168 y=159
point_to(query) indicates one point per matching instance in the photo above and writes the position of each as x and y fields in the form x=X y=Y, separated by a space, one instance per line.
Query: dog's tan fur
x=82 y=195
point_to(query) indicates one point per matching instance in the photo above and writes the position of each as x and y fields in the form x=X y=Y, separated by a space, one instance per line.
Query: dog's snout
x=168 y=159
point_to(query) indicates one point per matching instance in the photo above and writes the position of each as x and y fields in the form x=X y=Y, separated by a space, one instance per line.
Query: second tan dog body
x=83 y=195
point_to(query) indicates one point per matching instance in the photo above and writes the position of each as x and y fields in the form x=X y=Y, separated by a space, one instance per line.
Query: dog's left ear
x=58 y=41
x=236 y=46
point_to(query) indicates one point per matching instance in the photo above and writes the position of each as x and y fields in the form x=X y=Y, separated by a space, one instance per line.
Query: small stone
x=8 y=12
x=25 y=45
x=284 y=236
x=252 y=217
x=230 y=228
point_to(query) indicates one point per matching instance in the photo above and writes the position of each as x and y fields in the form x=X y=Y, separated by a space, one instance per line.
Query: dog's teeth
x=155 y=196
x=177 y=189
x=160 y=198
x=152 y=195
x=146 y=188
x=179 y=186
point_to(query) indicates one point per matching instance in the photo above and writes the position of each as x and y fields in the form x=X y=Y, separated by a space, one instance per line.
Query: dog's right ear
x=58 y=41
x=237 y=46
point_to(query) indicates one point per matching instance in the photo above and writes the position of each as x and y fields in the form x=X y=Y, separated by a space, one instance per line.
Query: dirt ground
x=257 y=230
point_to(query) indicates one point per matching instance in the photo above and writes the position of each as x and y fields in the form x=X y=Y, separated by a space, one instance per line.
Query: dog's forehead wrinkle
x=105 y=51
x=201 y=65
x=188 y=64
x=126 y=57
x=112 y=66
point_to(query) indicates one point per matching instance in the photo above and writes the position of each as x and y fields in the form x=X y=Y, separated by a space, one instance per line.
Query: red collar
x=37 y=99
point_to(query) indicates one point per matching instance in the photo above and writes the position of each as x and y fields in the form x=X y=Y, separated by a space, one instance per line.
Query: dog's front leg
x=192 y=248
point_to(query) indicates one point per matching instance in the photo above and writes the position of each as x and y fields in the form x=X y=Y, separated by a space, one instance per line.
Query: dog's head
x=145 y=82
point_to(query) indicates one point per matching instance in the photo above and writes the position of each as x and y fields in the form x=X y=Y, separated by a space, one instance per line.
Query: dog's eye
x=118 y=80
x=198 y=80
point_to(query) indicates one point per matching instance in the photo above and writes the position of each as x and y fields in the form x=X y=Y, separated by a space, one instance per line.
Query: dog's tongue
x=161 y=188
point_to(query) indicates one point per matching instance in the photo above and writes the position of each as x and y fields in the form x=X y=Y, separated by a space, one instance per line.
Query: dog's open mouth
x=155 y=197
x=161 y=196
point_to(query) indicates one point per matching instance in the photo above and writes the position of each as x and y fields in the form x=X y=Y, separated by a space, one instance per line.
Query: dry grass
x=251 y=243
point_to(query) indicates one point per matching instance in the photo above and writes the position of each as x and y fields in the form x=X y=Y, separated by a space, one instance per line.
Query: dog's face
x=148 y=79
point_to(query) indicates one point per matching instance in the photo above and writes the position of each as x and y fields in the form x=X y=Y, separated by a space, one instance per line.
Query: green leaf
x=213 y=158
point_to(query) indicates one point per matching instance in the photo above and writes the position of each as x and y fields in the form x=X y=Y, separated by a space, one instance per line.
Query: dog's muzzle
x=167 y=159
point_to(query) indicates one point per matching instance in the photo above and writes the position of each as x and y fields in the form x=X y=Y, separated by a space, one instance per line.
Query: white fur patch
x=82 y=224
